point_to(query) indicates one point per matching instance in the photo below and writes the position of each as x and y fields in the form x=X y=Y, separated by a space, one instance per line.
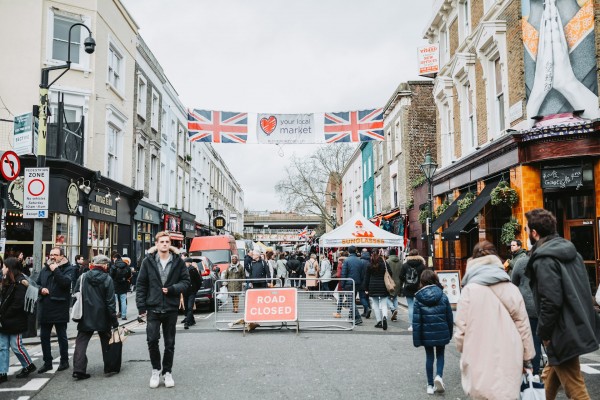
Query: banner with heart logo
x=286 y=128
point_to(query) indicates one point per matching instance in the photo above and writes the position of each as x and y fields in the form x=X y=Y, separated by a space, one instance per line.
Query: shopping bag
x=223 y=295
x=531 y=390
x=336 y=294
x=113 y=354
x=77 y=309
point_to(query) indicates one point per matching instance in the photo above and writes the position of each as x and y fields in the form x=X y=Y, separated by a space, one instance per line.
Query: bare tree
x=304 y=188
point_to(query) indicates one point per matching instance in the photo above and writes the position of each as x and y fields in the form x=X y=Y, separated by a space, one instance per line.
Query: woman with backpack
x=410 y=277
x=311 y=270
x=432 y=327
x=13 y=318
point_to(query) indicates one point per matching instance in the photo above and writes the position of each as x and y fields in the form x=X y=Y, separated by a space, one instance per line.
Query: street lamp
x=38 y=225
x=209 y=210
x=428 y=168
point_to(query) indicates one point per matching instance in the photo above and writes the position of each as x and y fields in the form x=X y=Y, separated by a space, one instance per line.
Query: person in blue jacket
x=432 y=326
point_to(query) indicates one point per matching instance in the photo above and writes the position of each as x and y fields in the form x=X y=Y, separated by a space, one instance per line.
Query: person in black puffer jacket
x=99 y=312
x=410 y=274
x=432 y=326
x=376 y=289
x=13 y=320
x=120 y=274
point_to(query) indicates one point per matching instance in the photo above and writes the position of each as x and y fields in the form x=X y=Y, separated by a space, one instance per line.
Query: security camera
x=89 y=44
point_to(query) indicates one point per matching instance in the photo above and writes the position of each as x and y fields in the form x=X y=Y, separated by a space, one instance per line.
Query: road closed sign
x=271 y=305
x=35 y=192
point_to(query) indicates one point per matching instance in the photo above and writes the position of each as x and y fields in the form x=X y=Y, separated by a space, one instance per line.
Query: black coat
x=195 y=280
x=563 y=300
x=99 y=313
x=149 y=294
x=374 y=282
x=418 y=263
x=120 y=273
x=54 y=307
x=13 y=317
x=258 y=269
x=293 y=266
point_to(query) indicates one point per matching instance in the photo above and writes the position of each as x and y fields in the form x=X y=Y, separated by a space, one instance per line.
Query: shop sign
x=72 y=198
x=219 y=222
x=15 y=193
x=103 y=206
x=189 y=226
x=147 y=215
x=429 y=60
x=172 y=223
x=23 y=133
x=562 y=177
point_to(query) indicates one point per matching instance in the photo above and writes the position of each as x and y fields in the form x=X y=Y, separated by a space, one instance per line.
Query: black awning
x=453 y=231
x=446 y=215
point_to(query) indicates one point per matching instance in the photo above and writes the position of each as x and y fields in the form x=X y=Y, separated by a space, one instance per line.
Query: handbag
x=113 y=354
x=390 y=285
x=77 y=310
x=531 y=390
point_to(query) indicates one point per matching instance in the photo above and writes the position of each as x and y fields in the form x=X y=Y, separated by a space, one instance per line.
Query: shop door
x=582 y=235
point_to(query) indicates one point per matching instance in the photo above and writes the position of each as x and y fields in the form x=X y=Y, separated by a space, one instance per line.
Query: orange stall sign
x=271 y=305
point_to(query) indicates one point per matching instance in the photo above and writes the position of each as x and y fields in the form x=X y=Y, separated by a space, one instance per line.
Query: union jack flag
x=354 y=126
x=217 y=126
x=304 y=232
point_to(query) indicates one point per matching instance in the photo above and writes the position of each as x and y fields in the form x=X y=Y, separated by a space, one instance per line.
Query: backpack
x=412 y=277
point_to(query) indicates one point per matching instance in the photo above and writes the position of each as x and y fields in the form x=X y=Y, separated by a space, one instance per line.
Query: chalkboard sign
x=562 y=177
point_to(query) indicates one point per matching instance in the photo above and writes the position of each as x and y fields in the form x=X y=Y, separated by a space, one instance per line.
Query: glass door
x=582 y=235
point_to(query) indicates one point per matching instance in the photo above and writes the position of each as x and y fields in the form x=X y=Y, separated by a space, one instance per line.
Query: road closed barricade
x=271 y=305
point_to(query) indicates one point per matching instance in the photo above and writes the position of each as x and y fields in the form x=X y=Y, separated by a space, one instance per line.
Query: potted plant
x=503 y=194
x=465 y=202
x=509 y=231
x=418 y=181
x=188 y=157
x=441 y=208
x=410 y=204
x=423 y=215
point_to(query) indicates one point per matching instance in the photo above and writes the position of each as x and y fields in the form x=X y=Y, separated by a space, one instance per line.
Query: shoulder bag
x=390 y=285
x=77 y=310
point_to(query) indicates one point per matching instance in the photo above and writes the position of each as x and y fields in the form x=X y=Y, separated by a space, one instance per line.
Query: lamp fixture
x=118 y=198
x=81 y=184
x=107 y=195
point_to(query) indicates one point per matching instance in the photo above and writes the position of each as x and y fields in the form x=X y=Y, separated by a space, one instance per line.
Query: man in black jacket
x=162 y=279
x=99 y=313
x=54 y=282
x=190 y=294
x=567 y=323
x=120 y=273
x=258 y=270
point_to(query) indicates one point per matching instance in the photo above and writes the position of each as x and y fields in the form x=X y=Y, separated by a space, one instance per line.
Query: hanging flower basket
x=509 y=231
x=441 y=208
x=504 y=195
x=423 y=215
x=465 y=202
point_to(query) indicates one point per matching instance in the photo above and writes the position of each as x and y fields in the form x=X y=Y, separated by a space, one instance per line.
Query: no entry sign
x=271 y=305
x=35 y=192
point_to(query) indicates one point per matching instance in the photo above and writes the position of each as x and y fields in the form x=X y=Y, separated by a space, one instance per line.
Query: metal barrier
x=317 y=309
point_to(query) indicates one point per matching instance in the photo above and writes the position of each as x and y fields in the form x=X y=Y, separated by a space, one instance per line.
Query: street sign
x=219 y=222
x=10 y=165
x=271 y=305
x=23 y=133
x=36 y=192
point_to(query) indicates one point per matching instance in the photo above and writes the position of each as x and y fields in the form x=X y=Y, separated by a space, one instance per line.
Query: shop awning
x=453 y=231
x=449 y=213
x=391 y=215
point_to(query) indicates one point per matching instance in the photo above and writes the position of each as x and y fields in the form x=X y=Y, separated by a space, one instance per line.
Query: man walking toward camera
x=162 y=279
x=566 y=317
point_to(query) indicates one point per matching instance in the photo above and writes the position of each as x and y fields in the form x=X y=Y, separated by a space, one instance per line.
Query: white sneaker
x=410 y=328
x=169 y=382
x=430 y=389
x=155 y=379
x=439 y=384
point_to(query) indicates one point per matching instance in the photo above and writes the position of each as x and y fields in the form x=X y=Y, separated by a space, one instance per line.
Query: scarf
x=485 y=271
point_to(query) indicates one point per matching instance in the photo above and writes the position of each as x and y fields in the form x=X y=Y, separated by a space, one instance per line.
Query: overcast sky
x=281 y=56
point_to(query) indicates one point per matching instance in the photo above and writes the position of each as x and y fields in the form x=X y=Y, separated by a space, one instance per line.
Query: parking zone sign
x=35 y=192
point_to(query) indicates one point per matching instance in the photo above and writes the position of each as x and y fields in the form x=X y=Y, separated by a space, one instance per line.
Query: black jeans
x=80 y=359
x=189 y=309
x=168 y=321
x=63 y=344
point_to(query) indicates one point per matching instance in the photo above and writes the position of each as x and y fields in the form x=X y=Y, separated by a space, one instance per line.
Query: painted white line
x=587 y=368
x=206 y=316
x=23 y=398
x=31 y=386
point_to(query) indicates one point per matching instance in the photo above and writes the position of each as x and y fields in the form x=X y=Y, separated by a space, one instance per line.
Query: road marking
x=33 y=385
x=587 y=368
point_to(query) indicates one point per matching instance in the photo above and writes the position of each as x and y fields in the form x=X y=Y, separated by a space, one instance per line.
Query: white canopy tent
x=360 y=232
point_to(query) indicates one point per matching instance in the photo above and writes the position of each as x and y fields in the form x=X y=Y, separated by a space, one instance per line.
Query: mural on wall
x=560 y=57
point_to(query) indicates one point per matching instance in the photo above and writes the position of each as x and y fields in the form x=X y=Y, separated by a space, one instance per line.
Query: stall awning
x=449 y=213
x=453 y=231
x=391 y=215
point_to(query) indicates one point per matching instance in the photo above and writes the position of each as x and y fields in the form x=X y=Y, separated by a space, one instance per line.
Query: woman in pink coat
x=492 y=329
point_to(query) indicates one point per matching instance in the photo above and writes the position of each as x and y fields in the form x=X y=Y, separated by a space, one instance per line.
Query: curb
x=54 y=339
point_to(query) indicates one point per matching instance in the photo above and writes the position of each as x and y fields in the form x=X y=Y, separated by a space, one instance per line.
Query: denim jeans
x=392 y=302
x=4 y=353
x=429 y=357
x=63 y=344
x=537 y=345
x=411 y=304
x=168 y=321
x=16 y=344
x=122 y=300
x=189 y=309
x=364 y=300
x=380 y=307
x=347 y=300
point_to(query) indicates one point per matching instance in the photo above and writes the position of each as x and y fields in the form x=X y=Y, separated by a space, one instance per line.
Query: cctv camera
x=90 y=44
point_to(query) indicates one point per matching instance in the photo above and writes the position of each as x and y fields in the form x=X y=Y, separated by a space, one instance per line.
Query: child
x=432 y=326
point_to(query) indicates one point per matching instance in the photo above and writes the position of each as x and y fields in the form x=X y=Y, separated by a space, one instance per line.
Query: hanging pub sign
x=562 y=177
x=219 y=222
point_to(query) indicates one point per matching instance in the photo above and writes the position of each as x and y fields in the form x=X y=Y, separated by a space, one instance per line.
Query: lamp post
x=38 y=225
x=209 y=210
x=428 y=168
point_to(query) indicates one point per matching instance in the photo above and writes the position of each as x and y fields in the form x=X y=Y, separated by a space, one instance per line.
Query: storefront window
x=67 y=234
x=580 y=207
x=99 y=237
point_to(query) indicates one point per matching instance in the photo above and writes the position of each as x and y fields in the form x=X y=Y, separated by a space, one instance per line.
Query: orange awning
x=391 y=215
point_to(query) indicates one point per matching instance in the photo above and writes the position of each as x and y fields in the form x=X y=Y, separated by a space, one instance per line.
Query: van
x=218 y=249
x=241 y=248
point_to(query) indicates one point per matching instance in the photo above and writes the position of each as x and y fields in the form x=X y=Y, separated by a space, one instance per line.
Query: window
x=142 y=92
x=444 y=47
x=499 y=96
x=99 y=237
x=472 y=132
x=115 y=68
x=398 y=137
x=369 y=167
x=171 y=185
x=163 y=125
x=466 y=18
x=163 y=183
x=153 y=177
x=179 y=189
x=180 y=142
x=155 y=104
x=389 y=145
x=60 y=39
x=395 y=191
x=381 y=144
x=112 y=157
x=115 y=126
x=141 y=159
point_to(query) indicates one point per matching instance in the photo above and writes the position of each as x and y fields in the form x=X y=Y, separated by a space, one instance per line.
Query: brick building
x=499 y=118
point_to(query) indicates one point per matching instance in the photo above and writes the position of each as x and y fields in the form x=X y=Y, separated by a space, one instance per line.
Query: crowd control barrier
x=284 y=306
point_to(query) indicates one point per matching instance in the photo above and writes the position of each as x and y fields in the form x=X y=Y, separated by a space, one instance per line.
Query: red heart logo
x=268 y=124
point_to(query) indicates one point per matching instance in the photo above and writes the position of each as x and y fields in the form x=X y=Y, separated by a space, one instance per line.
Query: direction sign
x=10 y=165
x=35 y=192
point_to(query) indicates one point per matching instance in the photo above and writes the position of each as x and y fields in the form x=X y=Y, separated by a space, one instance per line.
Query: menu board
x=450 y=281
